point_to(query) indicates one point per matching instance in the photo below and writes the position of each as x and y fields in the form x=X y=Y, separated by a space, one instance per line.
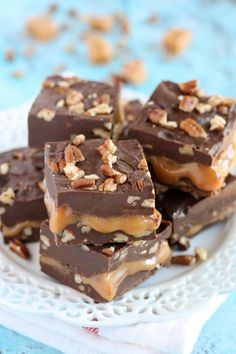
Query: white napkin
x=172 y=337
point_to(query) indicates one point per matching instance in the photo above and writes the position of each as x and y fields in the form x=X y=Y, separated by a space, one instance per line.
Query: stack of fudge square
x=115 y=202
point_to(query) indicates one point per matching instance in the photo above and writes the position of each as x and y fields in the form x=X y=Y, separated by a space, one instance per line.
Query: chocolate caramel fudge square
x=100 y=185
x=21 y=198
x=68 y=106
x=103 y=272
x=189 y=137
x=190 y=215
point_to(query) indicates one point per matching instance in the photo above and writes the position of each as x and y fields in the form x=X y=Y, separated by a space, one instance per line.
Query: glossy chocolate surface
x=163 y=141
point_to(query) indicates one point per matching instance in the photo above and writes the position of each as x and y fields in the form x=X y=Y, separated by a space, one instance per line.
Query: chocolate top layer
x=129 y=198
x=68 y=100
x=21 y=198
x=18 y=173
x=168 y=141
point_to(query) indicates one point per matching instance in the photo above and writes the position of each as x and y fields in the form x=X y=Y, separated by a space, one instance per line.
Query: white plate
x=170 y=293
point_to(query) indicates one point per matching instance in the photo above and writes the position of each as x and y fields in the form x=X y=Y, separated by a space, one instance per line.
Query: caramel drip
x=207 y=178
x=19 y=227
x=135 y=225
x=107 y=284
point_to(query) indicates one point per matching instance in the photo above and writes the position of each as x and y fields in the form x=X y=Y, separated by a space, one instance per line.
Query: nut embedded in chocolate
x=83 y=183
x=188 y=103
x=189 y=87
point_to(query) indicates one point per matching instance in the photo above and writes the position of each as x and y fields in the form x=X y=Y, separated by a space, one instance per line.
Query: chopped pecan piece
x=73 y=154
x=101 y=23
x=203 y=108
x=186 y=260
x=48 y=84
x=109 y=159
x=42 y=28
x=73 y=172
x=189 y=87
x=157 y=116
x=108 y=185
x=201 y=253
x=188 y=103
x=61 y=165
x=4 y=168
x=120 y=178
x=100 y=109
x=107 y=170
x=100 y=50
x=83 y=183
x=217 y=123
x=7 y=196
x=223 y=109
x=77 y=108
x=79 y=139
x=73 y=97
x=192 y=128
x=176 y=40
x=19 y=248
x=143 y=165
x=108 y=251
x=46 y=114
x=133 y=72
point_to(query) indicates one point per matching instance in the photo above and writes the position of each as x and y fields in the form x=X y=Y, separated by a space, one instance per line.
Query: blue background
x=210 y=58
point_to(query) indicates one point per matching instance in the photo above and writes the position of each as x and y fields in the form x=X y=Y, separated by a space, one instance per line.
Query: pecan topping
x=76 y=108
x=189 y=87
x=73 y=172
x=8 y=196
x=102 y=23
x=133 y=72
x=217 y=123
x=48 y=84
x=108 y=185
x=143 y=165
x=176 y=41
x=83 y=183
x=187 y=260
x=42 y=28
x=60 y=103
x=109 y=146
x=100 y=50
x=73 y=97
x=19 y=248
x=120 y=178
x=109 y=159
x=61 y=165
x=188 y=103
x=107 y=170
x=108 y=251
x=140 y=184
x=46 y=114
x=158 y=116
x=192 y=128
x=79 y=139
x=203 y=108
x=100 y=109
x=73 y=154
x=4 y=168
x=18 y=155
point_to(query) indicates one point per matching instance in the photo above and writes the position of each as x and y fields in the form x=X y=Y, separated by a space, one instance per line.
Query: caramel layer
x=135 y=225
x=19 y=227
x=207 y=178
x=107 y=284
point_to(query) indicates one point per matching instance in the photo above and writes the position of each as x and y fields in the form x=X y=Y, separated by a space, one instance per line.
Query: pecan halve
x=19 y=248
x=192 y=128
x=185 y=260
x=73 y=154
